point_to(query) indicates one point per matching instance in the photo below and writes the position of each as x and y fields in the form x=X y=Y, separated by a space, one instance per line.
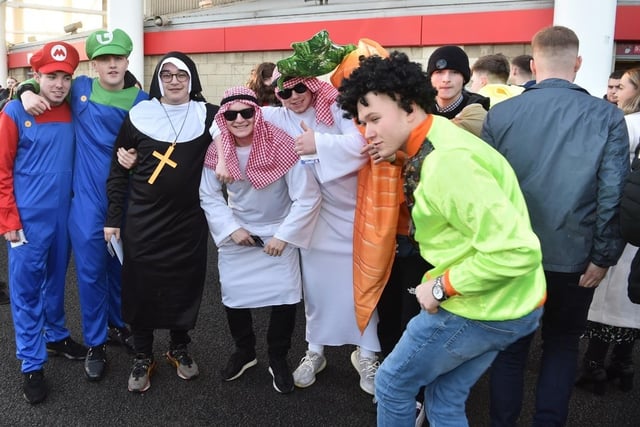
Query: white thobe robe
x=286 y=209
x=327 y=266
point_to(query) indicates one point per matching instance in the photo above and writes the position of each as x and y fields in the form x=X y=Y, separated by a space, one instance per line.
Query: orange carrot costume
x=378 y=200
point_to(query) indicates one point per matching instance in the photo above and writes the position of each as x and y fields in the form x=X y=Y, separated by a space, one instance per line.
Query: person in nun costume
x=273 y=205
x=164 y=236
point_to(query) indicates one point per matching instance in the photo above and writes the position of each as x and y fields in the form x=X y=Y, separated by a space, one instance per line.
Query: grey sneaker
x=184 y=364
x=311 y=364
x=367 y=368
x=139 y=379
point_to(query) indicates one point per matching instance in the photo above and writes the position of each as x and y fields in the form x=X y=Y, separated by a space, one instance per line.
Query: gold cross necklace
x=164 y=158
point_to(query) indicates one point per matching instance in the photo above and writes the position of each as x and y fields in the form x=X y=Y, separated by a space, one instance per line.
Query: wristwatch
x=438 y=290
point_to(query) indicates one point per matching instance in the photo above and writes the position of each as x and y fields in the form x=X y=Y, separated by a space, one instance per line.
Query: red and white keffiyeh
x=324 y=96
x=272 y=150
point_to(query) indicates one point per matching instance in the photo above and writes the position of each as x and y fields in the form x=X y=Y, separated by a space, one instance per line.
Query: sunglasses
x=286 y=93
x=231 y=115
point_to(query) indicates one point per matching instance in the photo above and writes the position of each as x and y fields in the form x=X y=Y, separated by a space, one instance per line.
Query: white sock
x=317 y=348
x=367 y=354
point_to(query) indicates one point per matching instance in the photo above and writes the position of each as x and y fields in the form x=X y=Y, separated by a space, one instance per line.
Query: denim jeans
x=447 y=354
x=563 y=322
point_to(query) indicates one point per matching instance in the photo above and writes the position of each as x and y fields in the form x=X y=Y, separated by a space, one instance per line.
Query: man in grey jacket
x=570 y=152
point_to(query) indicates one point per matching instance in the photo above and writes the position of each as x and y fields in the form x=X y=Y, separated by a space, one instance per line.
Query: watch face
x=438 y=292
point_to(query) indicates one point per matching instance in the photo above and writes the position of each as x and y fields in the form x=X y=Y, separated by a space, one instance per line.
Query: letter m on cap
x=58 y=52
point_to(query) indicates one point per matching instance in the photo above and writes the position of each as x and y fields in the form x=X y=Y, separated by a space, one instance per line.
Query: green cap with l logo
x=103 y=42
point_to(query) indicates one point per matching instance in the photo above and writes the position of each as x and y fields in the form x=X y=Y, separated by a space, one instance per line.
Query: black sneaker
x=96 y=362
x=67 y=348
x=237 y=364
x=34 y=388
x=282 y=377
x=121 y=336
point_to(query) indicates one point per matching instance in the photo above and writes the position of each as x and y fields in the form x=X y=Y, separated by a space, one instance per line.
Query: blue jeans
x=447 y=354
x=563 y=322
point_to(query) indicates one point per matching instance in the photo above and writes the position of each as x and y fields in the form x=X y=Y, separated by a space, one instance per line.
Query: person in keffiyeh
x=323 y=95
x=272 y=208
x=330 y=146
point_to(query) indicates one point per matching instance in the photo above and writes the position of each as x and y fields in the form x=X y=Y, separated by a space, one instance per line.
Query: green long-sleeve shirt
x=472 y=224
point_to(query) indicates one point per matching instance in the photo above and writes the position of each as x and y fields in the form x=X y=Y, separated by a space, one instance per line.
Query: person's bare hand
x=424 y=295
x=222 y=173
x=128 y=159
x=12 y=236
x=372 y=151
x=274 y=247
x=305 y=143
x=111 y=231
x=592 y=276
x=34 y=104
x=242 y=237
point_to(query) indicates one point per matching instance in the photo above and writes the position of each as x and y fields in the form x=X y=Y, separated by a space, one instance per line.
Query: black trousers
x=143 y=340
x=281 y=324
x=397 y=306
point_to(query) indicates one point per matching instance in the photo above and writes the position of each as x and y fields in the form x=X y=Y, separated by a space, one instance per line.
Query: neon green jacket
x=472 y=224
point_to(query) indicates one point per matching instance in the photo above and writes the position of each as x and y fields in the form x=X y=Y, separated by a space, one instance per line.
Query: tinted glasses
x=286 y=93
x=231 y=115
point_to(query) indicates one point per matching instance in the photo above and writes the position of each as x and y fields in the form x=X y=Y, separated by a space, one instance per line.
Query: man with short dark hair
x=521 y=73
x=572 y=172
x=613 y=84
x=489 y=77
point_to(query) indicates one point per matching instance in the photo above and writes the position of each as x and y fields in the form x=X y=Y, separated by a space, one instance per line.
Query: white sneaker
x=420 y=415
x=310 y=365
x=367 y=368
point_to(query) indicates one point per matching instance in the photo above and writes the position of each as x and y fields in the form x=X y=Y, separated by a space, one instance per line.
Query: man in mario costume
x=36 y=160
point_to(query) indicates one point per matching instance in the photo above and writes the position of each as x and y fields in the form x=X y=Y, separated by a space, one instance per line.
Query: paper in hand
x=114 y=246
x=22 y=240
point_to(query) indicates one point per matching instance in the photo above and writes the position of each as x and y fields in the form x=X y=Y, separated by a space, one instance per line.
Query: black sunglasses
x=286 y=93
x=231 y=115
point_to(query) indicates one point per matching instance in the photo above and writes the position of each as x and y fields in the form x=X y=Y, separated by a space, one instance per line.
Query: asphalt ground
x=334 y=400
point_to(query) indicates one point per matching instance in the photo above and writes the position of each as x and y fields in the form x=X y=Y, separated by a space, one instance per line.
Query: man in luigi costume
x=99 y=106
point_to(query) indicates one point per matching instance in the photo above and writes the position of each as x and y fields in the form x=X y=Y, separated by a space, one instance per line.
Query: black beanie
x=450 y=58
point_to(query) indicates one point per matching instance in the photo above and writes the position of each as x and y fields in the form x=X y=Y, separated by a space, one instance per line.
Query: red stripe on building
x=504 y=27
x=627 y=19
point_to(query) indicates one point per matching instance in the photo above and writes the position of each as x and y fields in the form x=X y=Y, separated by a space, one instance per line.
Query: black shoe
x=67 y=348
x=282 y=377
x=96 y=362
x=623 y=373
x=237 y=364
x=4 y=294
x=121 y=336
x=34 y=388
x=593 y=377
